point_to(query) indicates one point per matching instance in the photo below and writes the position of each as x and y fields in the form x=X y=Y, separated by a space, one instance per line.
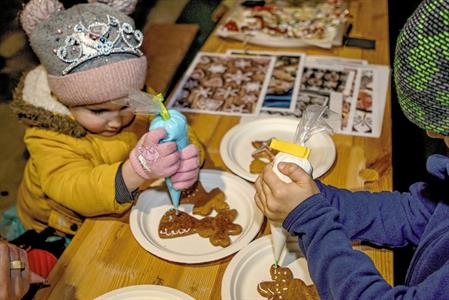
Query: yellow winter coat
x=70 y=176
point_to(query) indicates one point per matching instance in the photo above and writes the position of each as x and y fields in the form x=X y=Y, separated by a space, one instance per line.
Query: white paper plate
x=236 y=148
x=252 y=265
x=152 y=204
x=145 y=292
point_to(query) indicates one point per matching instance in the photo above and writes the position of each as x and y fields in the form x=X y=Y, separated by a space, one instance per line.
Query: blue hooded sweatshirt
x=327 y=222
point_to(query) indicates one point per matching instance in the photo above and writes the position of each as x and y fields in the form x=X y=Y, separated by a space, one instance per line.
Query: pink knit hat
x=91 y=51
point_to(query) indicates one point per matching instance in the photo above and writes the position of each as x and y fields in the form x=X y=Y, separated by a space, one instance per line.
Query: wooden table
x=104 y=255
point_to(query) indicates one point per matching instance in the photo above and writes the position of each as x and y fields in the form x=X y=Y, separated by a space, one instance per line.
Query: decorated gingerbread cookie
x=218 y=229
x=204 y=202
x=262 y=156
x=283 y=286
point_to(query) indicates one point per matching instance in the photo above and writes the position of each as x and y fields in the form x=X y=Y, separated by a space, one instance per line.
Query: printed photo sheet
x=334 y=60
x=362 y=112
x=333 y=78
x=369 y=110
x=283 y=88
x=224 y=84
x=332 y=100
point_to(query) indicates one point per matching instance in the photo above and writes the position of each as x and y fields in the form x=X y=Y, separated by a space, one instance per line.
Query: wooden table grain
x=104 y=255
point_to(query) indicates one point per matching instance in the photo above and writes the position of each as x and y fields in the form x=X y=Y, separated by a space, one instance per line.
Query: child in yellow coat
x=86 y=158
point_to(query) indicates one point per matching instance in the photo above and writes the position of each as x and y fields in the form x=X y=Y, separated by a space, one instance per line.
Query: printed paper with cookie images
x=321 y=78
x=282 y=91
x=369 y=110
x=350 y=100
x=362 y=121
x=223 y=84
x=332 y=100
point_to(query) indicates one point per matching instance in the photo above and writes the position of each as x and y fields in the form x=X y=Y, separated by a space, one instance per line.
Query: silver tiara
x=99 y=39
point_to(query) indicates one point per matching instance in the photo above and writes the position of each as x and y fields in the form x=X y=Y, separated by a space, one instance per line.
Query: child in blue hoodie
x=326 y=219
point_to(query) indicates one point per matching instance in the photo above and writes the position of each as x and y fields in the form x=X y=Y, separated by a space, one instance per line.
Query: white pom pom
x=37 y=11
x=125 y=6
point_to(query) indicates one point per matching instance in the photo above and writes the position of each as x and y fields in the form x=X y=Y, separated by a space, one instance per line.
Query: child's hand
x=189 y=168
x=275 y=198
x=149 y=159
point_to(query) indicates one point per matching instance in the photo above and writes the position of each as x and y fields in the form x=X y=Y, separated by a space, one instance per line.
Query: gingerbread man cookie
x=262 y=156
x=218 y=229
x=223 y=225
x=204 y=202
x=284 y=286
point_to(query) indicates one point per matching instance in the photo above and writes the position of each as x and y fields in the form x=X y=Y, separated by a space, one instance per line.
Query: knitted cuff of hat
x=99 y=85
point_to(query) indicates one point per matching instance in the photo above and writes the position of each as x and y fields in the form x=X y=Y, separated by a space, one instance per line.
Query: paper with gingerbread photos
x=223 y=84
x=283 y=88
x=367 y=114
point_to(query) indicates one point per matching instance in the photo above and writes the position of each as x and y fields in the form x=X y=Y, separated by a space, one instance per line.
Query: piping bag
x=295 y=152
x=174 y=123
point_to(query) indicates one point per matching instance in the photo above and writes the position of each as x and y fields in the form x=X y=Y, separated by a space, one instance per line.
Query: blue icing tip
x=175 y=195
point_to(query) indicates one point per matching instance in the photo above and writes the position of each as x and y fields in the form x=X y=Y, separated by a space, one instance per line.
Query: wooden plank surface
x=165 y=46
x=104 y=255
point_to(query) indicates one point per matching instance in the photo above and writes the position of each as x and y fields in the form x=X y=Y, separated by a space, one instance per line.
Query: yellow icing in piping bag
x=290 y=148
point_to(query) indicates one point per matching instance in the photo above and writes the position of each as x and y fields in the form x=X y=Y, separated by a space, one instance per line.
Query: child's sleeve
x=391 y=218
x=68 y=177
x=339 y=271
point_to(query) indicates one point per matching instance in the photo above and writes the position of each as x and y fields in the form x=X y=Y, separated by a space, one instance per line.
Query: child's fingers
x=295 y=172
x=169 y=171
x=184 y=184
x=259 y=197
x=267 y=178
x=169 y=160
x=270 y=178
x=267 y=194
x=190 y=151
x=259 y=202
x=154 y=136
x=184 y=176
x=189 y=164
x=167 y=148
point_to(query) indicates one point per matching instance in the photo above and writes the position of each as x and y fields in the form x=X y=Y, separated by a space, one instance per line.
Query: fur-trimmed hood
x=36 y=106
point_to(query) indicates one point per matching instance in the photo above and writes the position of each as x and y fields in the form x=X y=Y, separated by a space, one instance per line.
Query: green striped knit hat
x=421 y=67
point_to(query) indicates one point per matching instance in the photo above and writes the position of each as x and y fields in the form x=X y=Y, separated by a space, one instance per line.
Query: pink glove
x=151 y=160
x=187 y=173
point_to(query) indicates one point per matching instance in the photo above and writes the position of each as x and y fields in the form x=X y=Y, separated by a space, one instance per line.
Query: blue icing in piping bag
x=174 y=123
x=176 y=127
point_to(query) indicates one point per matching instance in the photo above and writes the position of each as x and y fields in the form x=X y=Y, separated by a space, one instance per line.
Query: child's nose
x=115 y=122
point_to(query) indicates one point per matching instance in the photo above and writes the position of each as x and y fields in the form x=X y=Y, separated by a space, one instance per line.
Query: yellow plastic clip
x=164 y=112
x=290 y=148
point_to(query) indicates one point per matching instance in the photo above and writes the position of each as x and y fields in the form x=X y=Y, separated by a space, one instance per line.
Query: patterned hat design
x=421 y=67
x=91 y=51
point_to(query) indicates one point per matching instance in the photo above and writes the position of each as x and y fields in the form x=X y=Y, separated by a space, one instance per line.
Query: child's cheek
x=127 y=119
